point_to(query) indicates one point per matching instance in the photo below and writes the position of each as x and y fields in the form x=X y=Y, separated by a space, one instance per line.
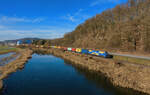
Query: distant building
x=19 y=43
x=25 y=42
x=11 y=44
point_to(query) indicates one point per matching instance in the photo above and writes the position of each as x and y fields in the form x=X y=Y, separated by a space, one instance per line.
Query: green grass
x=132 y=60
x=5 y=49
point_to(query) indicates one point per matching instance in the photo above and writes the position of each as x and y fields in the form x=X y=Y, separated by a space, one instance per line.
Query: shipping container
x=74 y=49
x=69 y=49
x=85 y=51
x=78 y=50
x=65 y=49
x=104 y=54
x=91 y=52
x=100 y=53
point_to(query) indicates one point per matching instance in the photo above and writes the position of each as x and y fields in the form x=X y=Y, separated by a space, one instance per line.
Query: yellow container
x=101 y=52
x=55 y=46
x=96 y=54
x=90 y=50
x=78 y=49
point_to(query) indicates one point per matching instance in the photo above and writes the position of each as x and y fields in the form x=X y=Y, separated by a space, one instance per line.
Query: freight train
x=85 y=51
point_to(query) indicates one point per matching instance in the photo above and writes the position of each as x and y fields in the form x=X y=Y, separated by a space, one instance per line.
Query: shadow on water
x=101 y=81
x=41 y=52
x=98 y=79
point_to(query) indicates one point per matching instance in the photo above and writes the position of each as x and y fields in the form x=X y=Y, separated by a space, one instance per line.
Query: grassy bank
x=132 y=60
x=5 y=49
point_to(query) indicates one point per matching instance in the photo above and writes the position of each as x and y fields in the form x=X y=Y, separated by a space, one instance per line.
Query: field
x=5 y=49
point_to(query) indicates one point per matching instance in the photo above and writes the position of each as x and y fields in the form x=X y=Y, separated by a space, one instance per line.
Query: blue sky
x=47 y=18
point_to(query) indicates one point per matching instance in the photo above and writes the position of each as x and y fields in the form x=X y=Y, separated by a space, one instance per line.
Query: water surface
x=50 y=75
x=6 y=55
x=8 y=59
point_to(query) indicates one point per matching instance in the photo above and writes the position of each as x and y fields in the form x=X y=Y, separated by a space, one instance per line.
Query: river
x=50 y=75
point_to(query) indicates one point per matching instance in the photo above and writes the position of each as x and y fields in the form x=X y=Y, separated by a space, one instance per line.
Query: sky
x=47 y=19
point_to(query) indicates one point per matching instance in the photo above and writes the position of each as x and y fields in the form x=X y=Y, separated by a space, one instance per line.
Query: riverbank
x=121 y=74
x=13 y=66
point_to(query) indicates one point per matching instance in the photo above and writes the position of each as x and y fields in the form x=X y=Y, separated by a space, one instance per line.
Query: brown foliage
x=125 y=27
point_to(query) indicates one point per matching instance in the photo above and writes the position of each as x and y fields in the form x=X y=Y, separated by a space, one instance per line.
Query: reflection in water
x=99 y=79
x=41 y=52
x=8 y=59
x=47 y=74
x=102 y=82
x=6 y=55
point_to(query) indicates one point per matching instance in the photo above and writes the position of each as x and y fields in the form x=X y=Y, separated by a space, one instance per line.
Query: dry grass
x=16 y=64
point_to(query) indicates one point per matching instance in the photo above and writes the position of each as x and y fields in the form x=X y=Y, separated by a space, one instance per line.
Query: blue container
x=104 y=54
x=92 y=52
x=84 y=51
x=98 y=53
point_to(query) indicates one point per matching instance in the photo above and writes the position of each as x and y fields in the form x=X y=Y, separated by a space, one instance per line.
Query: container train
x=85 y=51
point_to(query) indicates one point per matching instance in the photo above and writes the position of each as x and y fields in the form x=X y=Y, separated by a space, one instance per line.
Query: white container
x=69 y=49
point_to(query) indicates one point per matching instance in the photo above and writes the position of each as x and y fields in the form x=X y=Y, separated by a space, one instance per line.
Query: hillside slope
x=125 y=27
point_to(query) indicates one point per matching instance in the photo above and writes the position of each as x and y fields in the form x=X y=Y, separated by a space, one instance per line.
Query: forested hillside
x=125 y=27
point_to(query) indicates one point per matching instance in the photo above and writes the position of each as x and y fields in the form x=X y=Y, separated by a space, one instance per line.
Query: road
x=133 y=56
